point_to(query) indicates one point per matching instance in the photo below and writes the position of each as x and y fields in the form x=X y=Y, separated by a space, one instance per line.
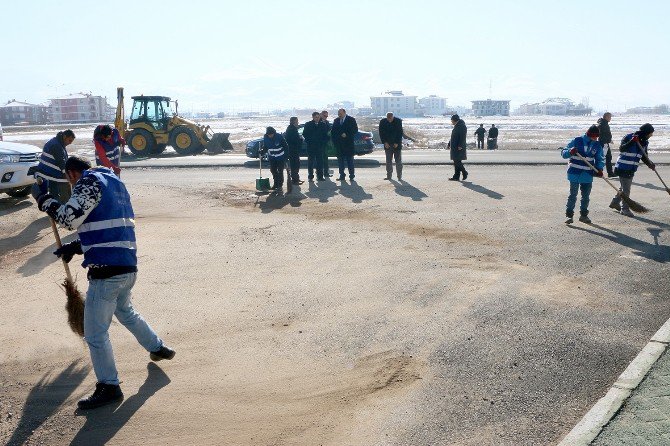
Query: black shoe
x=104 y=394
x=321 y=179
x=387 y=177
x=341 y=178
x=298 y=182
x=465 y=176
x=162 y=353
x=453 y=179
x=611 y=175
x=585 y=219
x=569 y=221
x=351 y=178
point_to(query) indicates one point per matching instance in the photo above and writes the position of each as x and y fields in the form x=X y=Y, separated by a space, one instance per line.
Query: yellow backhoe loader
x=153 y=126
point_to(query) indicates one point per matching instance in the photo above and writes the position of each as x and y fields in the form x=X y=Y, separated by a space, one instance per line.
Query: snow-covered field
x=516 y=132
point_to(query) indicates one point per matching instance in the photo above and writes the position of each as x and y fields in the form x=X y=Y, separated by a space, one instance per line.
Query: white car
x=17 y=167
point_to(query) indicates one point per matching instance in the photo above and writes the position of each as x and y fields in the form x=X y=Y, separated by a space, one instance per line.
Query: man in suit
x=324 y=118
x=343 y=133
x=315 y=134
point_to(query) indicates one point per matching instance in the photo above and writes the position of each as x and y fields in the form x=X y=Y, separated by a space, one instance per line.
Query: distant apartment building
x=347 y=105
x=488 y=107
x=17 y=113
x=395 y=102
x=529 y=109
x=433 y=105
x=662 y=109
x=80 y=107
x=555 y=107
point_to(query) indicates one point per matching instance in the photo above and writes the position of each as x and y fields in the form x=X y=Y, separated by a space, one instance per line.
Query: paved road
x=410 y=157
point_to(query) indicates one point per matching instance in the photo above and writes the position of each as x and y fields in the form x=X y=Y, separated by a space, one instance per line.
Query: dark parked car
x=363 y=144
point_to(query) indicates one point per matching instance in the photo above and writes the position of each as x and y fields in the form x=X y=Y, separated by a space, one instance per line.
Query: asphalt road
x=489 y=320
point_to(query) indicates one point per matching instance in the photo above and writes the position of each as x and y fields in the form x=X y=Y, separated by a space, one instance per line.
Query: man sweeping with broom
x=100 y=210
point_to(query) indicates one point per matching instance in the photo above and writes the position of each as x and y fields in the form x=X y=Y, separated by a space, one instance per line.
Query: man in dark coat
x=493 y=137
x=457 y=147
x=343 y=132
x=315 y=134
x=324 y=118
x=479 y=133
x=390 y=132
x=294 y=141
x=605 y=139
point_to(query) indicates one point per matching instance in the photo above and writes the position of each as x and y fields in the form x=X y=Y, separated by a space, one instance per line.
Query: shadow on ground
x=45 y=399
x=405 y=189
x=651 y=251
x=482 y=190
x=102 y=424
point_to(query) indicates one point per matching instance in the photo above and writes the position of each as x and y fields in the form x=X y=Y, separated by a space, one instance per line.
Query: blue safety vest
x=274 y=146
x=108 y=233
x=586 y=148
x=51 y=165
x=111 y=149
x=630 y=159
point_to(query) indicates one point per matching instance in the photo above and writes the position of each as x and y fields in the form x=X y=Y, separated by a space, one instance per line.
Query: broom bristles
x=634 y=205
x=74 y=307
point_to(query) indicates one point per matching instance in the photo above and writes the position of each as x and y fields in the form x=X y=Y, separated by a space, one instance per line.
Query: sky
x=263 y=55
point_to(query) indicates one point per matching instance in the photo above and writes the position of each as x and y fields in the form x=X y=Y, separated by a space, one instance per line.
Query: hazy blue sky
x=262 y=55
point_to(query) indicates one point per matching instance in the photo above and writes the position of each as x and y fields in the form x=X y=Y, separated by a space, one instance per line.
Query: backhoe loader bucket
x=219 y=143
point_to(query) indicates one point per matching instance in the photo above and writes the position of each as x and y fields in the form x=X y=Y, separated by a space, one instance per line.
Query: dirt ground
x=368 y=313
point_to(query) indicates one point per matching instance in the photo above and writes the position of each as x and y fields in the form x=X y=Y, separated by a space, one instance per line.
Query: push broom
x=634 y=205
x=75 y=301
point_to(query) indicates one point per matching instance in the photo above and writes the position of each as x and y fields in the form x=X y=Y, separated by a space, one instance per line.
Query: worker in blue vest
x=580 y=174
x=100 y=211
x=633 y=149
x=276 y=147
x=107 y=142
x=51 y=166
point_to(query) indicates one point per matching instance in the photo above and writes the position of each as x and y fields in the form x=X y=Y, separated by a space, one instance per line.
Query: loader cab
x=152 y=110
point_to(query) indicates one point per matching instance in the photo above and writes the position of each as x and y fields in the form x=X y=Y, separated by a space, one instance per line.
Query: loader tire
x=160 y=148
x=142 y=143
x=184 y=141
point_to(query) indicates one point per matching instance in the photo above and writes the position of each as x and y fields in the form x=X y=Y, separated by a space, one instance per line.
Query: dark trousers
x=325 y=161
x=458 y=168
x=294 y=162
x=480 y=143
x=315 y=160
x=391 y=154
x=349 y=160
x=608 y=161
x=277 y=169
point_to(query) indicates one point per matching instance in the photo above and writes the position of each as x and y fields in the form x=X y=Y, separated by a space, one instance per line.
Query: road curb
x=590 y=426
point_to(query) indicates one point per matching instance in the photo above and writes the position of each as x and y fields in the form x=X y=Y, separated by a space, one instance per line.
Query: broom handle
x=659 y=177
x=596 y=170
x=60 y=245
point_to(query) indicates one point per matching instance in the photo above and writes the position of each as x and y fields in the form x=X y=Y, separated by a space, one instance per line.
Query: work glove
x=40 y=193
x=68 y=250
x=599 y=173
x=652 y=166
x=635 y=138
x=573 y=151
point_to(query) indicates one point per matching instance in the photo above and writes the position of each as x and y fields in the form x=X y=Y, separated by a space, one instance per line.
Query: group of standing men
x=480 y=133
x=316 y=134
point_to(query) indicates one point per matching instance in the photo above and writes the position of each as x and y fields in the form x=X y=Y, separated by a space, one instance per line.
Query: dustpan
x=261 y=183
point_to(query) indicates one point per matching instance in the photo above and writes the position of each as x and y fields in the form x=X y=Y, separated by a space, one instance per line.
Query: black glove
x=68 y=250
x=40 y=193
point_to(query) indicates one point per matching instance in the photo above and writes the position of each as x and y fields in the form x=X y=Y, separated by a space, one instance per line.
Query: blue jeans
x=572 y=198
x=104 y=298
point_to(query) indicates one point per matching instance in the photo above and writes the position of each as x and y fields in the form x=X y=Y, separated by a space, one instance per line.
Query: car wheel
x=184 y=141
x=20 y=193
x=141 y=143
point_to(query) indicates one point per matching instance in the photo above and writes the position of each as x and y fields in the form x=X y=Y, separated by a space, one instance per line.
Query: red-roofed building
x=80 y=107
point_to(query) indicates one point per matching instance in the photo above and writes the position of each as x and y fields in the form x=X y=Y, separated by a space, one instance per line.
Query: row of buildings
x=71 y=109
x=556 y=107
x=396 y=102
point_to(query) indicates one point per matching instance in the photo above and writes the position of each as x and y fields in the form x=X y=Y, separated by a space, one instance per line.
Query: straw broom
x=75 y=301
x=634 y=205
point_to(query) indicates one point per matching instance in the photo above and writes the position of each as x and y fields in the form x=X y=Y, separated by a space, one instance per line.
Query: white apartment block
x=433 y=105
x=395 y=102
x=79 y=107
x=490 y=107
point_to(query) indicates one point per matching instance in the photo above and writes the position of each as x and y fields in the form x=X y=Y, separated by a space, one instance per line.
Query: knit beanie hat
x=593 y=131
x=646 y=129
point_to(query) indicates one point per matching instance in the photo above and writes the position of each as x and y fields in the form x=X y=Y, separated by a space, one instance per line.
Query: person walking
x=458 y=147
x=315 y=133
x=101 y=212
x=493 y=137
x=276 y=147
x=343 y=133
x=605 y=139
x=480 y=133
x=580 y=175
x=51 y=166
x=324 y=118
x=107 y=141
x=391 y=133
x=633 y=149
x=294 y=141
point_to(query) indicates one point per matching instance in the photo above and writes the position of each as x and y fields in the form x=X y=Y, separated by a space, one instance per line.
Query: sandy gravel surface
x=372 y=313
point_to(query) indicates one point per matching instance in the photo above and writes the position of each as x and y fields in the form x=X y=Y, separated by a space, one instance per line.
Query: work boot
x=162 y=353
x=387 y=177
x=569 y=221
x=611 y=175
x=453 y=179
x=627 y=213
x=569 y=215
x=465 y=175
x=616 y=205
x=585 y=219
x=104 y=394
